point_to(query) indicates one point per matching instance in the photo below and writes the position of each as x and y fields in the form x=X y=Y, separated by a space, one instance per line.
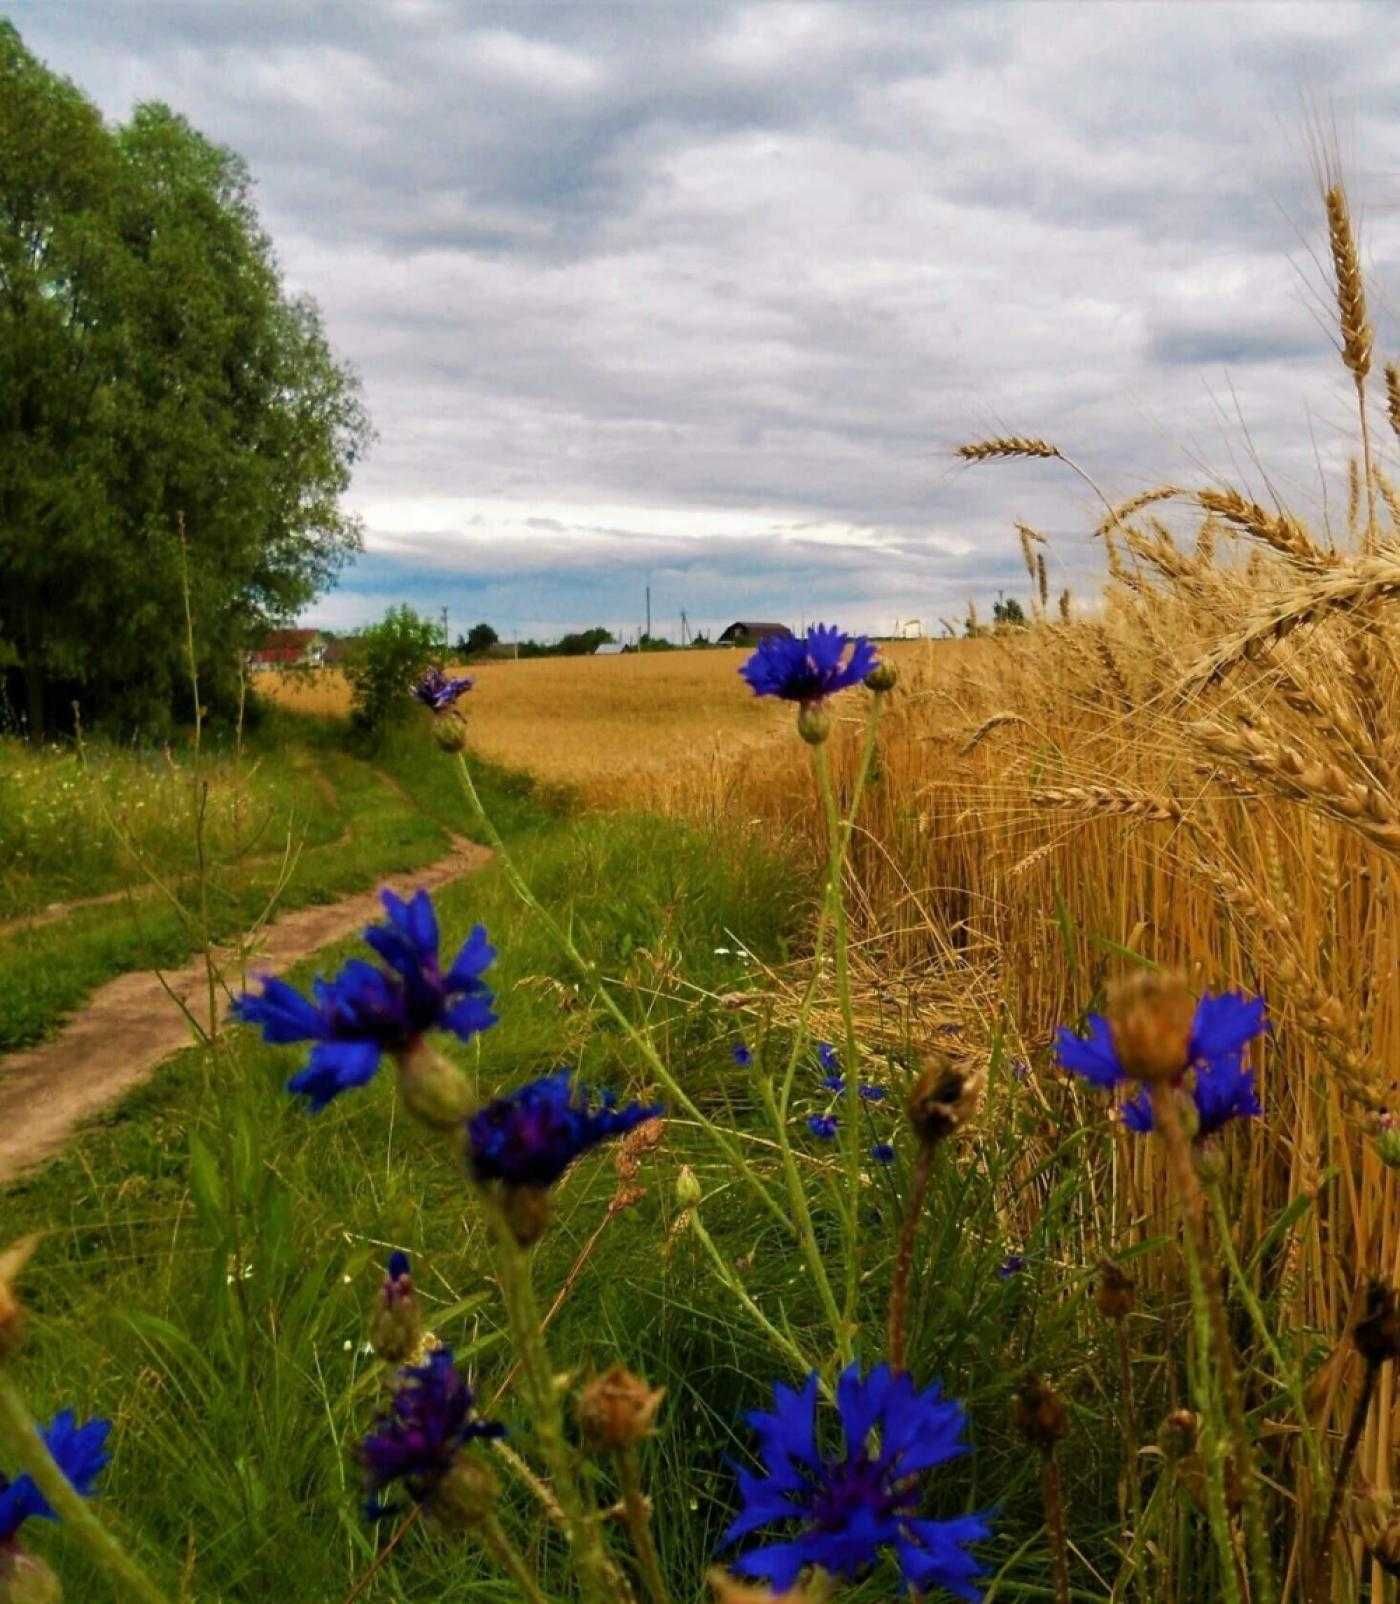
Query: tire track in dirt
x=130 y=1025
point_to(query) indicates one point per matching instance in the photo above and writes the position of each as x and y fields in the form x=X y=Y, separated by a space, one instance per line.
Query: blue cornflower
x=427 y=1424
x=850 y=1508
x=1221 y=1091
x=1221 y=1028
x=822 y=1125
x=364 y=1012
x=882 y=1153
x=871 y=1093
x=437 y=691
x=834 y=1083
x=1011 y=1265
x=80 y=1453
x=741 y=1055
x=827 y=1056
x=531 y=1136
x=809 y=668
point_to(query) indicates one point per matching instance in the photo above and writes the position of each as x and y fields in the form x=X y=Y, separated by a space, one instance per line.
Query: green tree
x=193 y=390
x=480 y=638
x=385 y=659
x=1009 y=613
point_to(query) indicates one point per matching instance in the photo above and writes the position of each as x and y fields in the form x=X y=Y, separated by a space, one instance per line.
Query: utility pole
x=648 y=612
x=444 y=629
x=685 y=629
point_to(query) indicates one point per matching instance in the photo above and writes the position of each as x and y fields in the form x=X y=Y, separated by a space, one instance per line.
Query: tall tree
x=208 y=399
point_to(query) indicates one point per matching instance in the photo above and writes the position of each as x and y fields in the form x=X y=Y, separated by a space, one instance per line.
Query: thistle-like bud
x=944 y=1097
x=617 y=1410
x=818 y=1588
x=1208 y=1155
x=527 y=1211
x=1177 y=1434
x=1377 y=1333
x=688 y=1189
x=25 y=1578
x=467 y=1493
x=1150 y=1016
x=433 y=1089
x=12 y=1261
x=814 y=722
x=1039 y=1413
x=882 y=679
x=1387 y=1129
x=1115 y=1293
x=450 y=733
x=396 y=1326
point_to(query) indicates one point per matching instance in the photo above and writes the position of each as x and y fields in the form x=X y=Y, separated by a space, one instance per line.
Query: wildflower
x=80 y=1453
x=418 y=1440
x=741 y=1055
x=851 y=1507
x=364 y=1013
x=822 y=1125
x=1210 y=1043
x=617 y=1409
x=882 y=1153
x=834 y=1083
x=872 y=1093
x=827 y=1056
x=396 y=1326
x=1221 y=1092
x=1011 y=1265
x=809 y=668
x=436 y=691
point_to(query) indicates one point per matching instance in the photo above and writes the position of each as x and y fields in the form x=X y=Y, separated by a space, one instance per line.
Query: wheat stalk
x=1357 y=334
x=1144 y=498
x=1118 y=800
x=1356 y=585
x=1392 y=395
x=994 y=722
x=1007 y=445
x=1283 y=533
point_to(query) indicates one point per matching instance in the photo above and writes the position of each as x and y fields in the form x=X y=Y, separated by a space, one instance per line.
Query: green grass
x=212 y=1251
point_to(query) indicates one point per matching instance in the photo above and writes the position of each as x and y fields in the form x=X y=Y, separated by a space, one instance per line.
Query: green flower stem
x=838 y=842
x=507 y=1556
x=725 y=1271
x=589 y=974
x=597 y=1575
x=1288 y=1373
x=1210 y=1318
x=21 y=1436
x=1128 y=1416
x=637 y=1514
x=896 y=1318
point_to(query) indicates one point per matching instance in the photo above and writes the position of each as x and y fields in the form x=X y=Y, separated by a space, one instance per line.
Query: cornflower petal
x=1092 y=1056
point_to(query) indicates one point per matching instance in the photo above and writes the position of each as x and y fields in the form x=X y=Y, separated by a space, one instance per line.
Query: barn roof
x=753 y=626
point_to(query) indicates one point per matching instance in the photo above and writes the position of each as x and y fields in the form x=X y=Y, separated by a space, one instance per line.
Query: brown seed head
x=1039 y=1414
x=1114 y=1292
x=944 y=1097
x=1150 y=1017
x=617 y=1409
x=25 y=1578
x=1177 y=1434
x=467 y=1494
x=1377 y=1333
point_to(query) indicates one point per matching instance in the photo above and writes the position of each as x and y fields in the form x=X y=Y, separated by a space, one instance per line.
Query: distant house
x=289 y=648
x=748 y=632
x=610 y=648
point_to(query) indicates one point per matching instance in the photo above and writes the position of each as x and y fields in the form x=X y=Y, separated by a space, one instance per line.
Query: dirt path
x=127 y=1027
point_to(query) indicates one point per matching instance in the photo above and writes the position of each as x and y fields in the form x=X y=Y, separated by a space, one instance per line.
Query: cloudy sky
x=704 y=294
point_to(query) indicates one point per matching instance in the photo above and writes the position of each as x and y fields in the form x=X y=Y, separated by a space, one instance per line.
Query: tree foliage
x=384 y=661
x=153 y=372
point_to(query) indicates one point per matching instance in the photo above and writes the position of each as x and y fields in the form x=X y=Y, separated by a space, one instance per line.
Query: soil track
x=128 y=1026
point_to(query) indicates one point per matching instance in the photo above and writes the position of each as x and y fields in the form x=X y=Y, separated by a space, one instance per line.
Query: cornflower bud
x=1387 y=1129
x=1377 y=1333
x=688 y=1190
x=467 y=1493
x=450 y=733
x=1115 y=1293
x=617 y=1410
x=434 y=1090
x=396 y=1326
x=1039 y=1414
x=25 y=1578
x=944 y=1097
x=1150 y=1016
x=814 y=722
x=883 y=679
x=1177 y=1434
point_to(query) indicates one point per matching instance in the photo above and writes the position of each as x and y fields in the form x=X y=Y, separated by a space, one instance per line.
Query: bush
x=385 y=660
